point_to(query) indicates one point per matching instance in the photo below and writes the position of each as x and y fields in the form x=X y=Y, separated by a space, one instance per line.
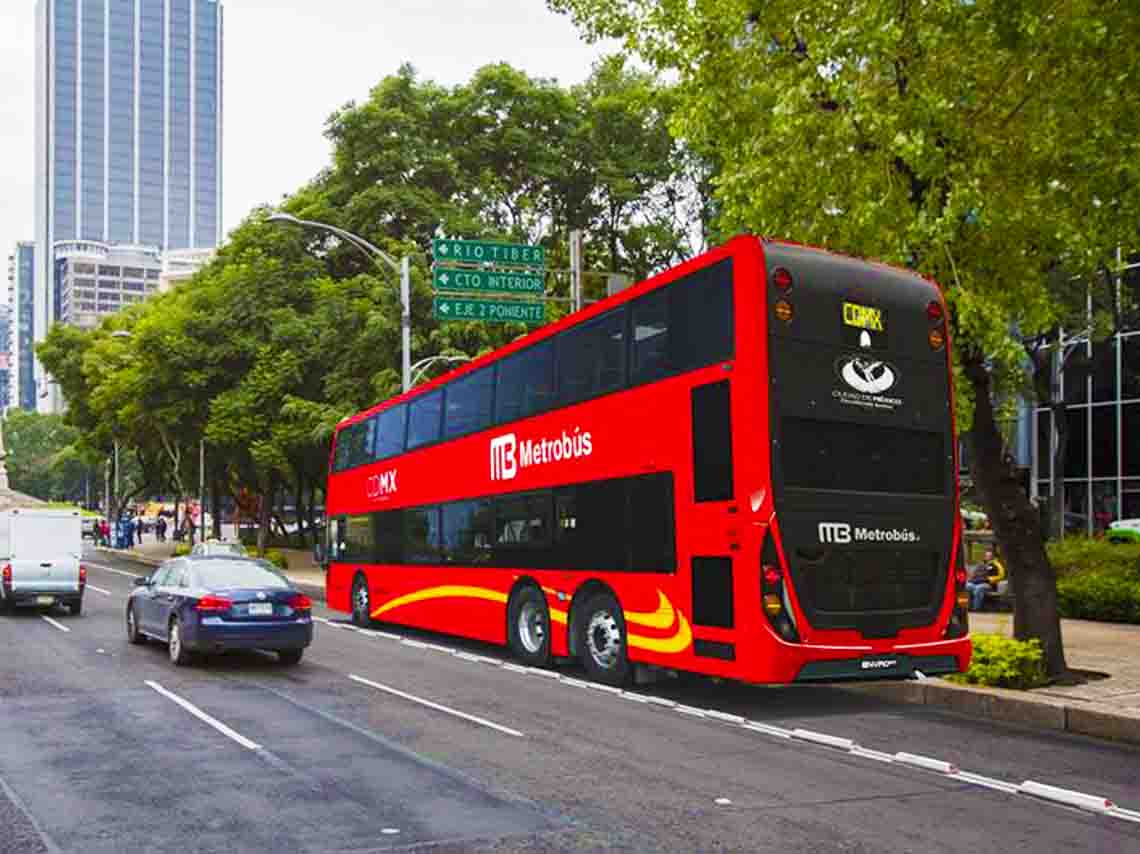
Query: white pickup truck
x=40 y=554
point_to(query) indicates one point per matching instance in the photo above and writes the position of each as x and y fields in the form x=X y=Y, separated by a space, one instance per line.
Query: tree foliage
x=44 y=459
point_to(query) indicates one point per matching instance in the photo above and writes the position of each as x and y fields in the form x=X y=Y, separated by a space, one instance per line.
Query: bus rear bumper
x=931 y=659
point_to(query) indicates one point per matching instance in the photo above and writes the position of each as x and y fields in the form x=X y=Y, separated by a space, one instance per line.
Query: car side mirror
x=319 y=553
x=142 y=581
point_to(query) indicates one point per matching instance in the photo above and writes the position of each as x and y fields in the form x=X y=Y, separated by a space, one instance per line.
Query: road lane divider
x=205 y=718
x=55 y=623
x=1092 y=803
x=437 y=706
x=91 y=586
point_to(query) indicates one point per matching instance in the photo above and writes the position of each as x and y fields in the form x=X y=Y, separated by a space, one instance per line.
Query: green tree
x=981 y=142
x=43 y=458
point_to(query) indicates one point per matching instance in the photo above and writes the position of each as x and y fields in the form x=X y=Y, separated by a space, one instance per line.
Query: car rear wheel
x=602 y=640
x=528 y=626
x=179 y=655
x=361 y=602
x=133 y=634
x=290 y=657
x=76 y=607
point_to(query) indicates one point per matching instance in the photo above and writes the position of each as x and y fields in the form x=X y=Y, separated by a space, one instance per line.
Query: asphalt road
x=398 y=739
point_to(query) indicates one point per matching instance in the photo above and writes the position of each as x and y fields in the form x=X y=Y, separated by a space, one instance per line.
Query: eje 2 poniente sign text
x=503 y=281
x=499 y=311
x=488 y=252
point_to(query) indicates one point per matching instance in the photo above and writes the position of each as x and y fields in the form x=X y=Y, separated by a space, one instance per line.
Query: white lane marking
x=1126 y=815
x=116 y=571
x=55 y=623
x=987 y=782
x=205 y=718
x=390 y=831
x=724 y=802
x=98 y=589
x=437 y=706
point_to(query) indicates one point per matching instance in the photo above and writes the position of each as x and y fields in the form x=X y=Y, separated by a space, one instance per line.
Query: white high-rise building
x=128 y=132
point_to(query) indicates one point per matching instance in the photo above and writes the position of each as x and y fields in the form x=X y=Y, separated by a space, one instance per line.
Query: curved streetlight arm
x=355 y=239
x=420 y=367
x=403 y=268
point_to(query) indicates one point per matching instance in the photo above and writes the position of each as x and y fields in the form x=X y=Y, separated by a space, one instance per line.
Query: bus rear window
x=861 y=457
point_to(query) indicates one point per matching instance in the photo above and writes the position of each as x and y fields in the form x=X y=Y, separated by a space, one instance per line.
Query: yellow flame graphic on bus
x=666 y=616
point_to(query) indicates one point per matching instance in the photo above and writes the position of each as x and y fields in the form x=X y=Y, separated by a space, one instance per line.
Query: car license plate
x=45 y=600
x=261 y=609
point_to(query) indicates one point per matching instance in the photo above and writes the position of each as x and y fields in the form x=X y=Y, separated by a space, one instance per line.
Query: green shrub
x=1082 y=554
x=275 y=557
x=1001 y=662
x=1110 y=596
x=181 y=550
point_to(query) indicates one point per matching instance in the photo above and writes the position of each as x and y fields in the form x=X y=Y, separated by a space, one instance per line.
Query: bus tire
x=528 y=626
x=602 y=640
x=361 y=601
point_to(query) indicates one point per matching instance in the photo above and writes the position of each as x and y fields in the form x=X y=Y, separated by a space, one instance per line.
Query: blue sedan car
x=214 y=604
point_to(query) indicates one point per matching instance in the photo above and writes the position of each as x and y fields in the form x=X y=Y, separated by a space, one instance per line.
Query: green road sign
x=496 y=311
x=455 y=279
x=488 y=252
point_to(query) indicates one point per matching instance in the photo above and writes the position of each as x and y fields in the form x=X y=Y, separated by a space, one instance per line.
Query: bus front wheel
x=602 y=640
x=528 y=626
x=361 y=602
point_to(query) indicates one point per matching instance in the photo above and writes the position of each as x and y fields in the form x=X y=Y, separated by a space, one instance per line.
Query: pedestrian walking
x=105 y=532
x=160 y=528
x=139 y=530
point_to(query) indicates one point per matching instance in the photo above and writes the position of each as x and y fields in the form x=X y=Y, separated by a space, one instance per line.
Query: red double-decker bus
x=744 y=466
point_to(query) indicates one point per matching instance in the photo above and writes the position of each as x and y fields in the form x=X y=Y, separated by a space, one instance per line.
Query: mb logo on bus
x=504 y=461
x=834 y=532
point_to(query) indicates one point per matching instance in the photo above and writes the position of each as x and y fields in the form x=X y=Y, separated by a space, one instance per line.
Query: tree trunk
x=263 y=520
x=1017 y=526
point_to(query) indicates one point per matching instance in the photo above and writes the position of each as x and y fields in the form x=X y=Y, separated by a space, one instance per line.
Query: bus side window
x=591 y=358
x=650 y=345
x=390 y=428
x=526 y=383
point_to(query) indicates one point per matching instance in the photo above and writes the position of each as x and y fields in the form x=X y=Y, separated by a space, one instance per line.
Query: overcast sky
x=288 y=65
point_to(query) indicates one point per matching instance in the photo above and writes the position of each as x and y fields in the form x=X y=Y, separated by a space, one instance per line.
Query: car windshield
x=220 y=575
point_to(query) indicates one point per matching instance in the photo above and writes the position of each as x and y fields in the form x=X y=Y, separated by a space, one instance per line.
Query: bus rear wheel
x=361 y=602
x=528 y=626
x=602 y=640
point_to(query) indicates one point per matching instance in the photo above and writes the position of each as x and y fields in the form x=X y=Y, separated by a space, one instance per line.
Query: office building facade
x=21 y=339
x=128 y=129
x=96 y=279
x=1100 y=474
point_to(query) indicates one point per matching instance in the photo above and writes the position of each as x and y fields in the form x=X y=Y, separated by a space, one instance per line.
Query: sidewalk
x=1104 y=707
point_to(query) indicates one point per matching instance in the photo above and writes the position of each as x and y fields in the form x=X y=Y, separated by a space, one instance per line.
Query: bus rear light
x=962 y=600
x=784 y=311
x=772 y=577
x=937 y=339
x=782 y=279
x=934 y=311
x=960 y=577
x=773 y=604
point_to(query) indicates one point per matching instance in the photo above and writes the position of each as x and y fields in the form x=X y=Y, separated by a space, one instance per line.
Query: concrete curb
x=1007 y=706
x=314 y=591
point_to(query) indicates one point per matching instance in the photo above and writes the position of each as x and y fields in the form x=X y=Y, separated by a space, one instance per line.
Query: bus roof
x=733 y=247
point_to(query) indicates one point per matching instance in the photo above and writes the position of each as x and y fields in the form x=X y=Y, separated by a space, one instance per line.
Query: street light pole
x=376 y=254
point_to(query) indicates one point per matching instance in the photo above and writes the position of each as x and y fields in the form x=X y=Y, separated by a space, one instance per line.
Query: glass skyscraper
x=128 y=128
